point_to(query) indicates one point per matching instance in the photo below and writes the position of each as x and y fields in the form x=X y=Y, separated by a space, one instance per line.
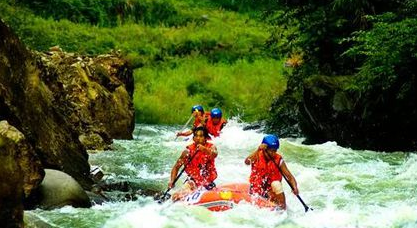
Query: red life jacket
x=198 y=122
x=263 y=173
x=201 y=169
x=214 y=130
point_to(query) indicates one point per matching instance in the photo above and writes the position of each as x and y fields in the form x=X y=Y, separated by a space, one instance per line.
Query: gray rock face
x=59 y=189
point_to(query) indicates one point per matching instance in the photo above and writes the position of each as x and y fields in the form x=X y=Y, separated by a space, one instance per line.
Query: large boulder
x=59 y=189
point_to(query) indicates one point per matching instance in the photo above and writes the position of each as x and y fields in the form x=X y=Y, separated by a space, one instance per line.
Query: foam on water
x=346 y=188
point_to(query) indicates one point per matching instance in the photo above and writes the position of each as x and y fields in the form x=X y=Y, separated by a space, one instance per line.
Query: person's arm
x=212 y=151
x=254 y=155
x=186 y=133
x=174 y=172
x=223 y=124
x=251 y=158
x=286 y=172
x=203 y=120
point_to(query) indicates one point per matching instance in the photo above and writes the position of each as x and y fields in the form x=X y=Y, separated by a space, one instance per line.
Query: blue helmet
x=216 y=113
x=271 y=141
x=198 y=108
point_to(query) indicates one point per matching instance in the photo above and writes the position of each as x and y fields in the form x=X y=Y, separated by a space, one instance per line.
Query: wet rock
x=254 y=126
x=121 y=191
x=59 y=189
x=93 y=141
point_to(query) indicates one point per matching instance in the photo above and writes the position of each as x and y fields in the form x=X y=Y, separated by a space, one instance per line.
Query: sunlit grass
x=216 y=59
x=165 y=95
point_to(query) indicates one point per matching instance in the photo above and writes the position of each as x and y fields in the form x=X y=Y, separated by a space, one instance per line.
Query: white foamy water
x=346 y=188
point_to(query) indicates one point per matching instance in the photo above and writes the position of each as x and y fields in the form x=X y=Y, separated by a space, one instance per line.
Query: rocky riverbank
x=53 y=107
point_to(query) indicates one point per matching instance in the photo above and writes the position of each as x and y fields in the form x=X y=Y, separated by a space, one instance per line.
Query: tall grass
x=164 y=94
x=216 y=57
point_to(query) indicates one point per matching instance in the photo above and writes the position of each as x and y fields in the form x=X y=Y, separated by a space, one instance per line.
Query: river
x=345 y=187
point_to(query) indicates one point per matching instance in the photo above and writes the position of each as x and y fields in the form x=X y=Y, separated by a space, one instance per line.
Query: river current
x=345 y=187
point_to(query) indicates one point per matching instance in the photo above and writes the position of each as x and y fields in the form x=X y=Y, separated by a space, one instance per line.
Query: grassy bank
x=183 y=52
x=243 y=88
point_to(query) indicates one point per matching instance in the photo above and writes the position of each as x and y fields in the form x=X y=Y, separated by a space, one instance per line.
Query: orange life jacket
x=263 y=173
x=201 y=120
x=201 y=169
x=214 y=130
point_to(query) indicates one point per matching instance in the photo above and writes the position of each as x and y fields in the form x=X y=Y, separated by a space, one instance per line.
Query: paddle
x=166 y=196
x=185 y=125
x=306 y=208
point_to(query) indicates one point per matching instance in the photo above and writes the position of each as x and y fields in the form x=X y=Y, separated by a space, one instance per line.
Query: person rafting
x=215 y=122
x=267 y=170
x=198 y=161
x=200 y=118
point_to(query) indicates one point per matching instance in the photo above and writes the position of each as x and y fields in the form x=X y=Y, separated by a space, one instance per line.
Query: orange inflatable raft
x=224 y=197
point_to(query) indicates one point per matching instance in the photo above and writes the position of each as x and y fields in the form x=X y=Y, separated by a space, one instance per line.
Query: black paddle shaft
x=178 y=176
x=306 y=208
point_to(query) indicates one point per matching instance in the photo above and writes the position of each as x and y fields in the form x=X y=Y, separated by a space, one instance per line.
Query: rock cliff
x=57 y=105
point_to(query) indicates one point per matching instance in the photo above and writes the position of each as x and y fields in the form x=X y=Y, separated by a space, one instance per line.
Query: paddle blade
x=306 y=208
x=163 y=198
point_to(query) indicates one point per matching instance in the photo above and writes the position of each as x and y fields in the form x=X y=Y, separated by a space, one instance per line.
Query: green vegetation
x=245 y=86
x=184 y=52
x=371 y=42
x=230 y=53
x=391 y=52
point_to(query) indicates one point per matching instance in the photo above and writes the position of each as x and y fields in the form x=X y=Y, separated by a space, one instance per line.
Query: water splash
x=346 y=188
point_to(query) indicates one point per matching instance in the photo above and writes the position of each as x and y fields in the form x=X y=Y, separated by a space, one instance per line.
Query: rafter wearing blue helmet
x=197 y=108
x=267 y=169
x=215 y=122
x=200 y=119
